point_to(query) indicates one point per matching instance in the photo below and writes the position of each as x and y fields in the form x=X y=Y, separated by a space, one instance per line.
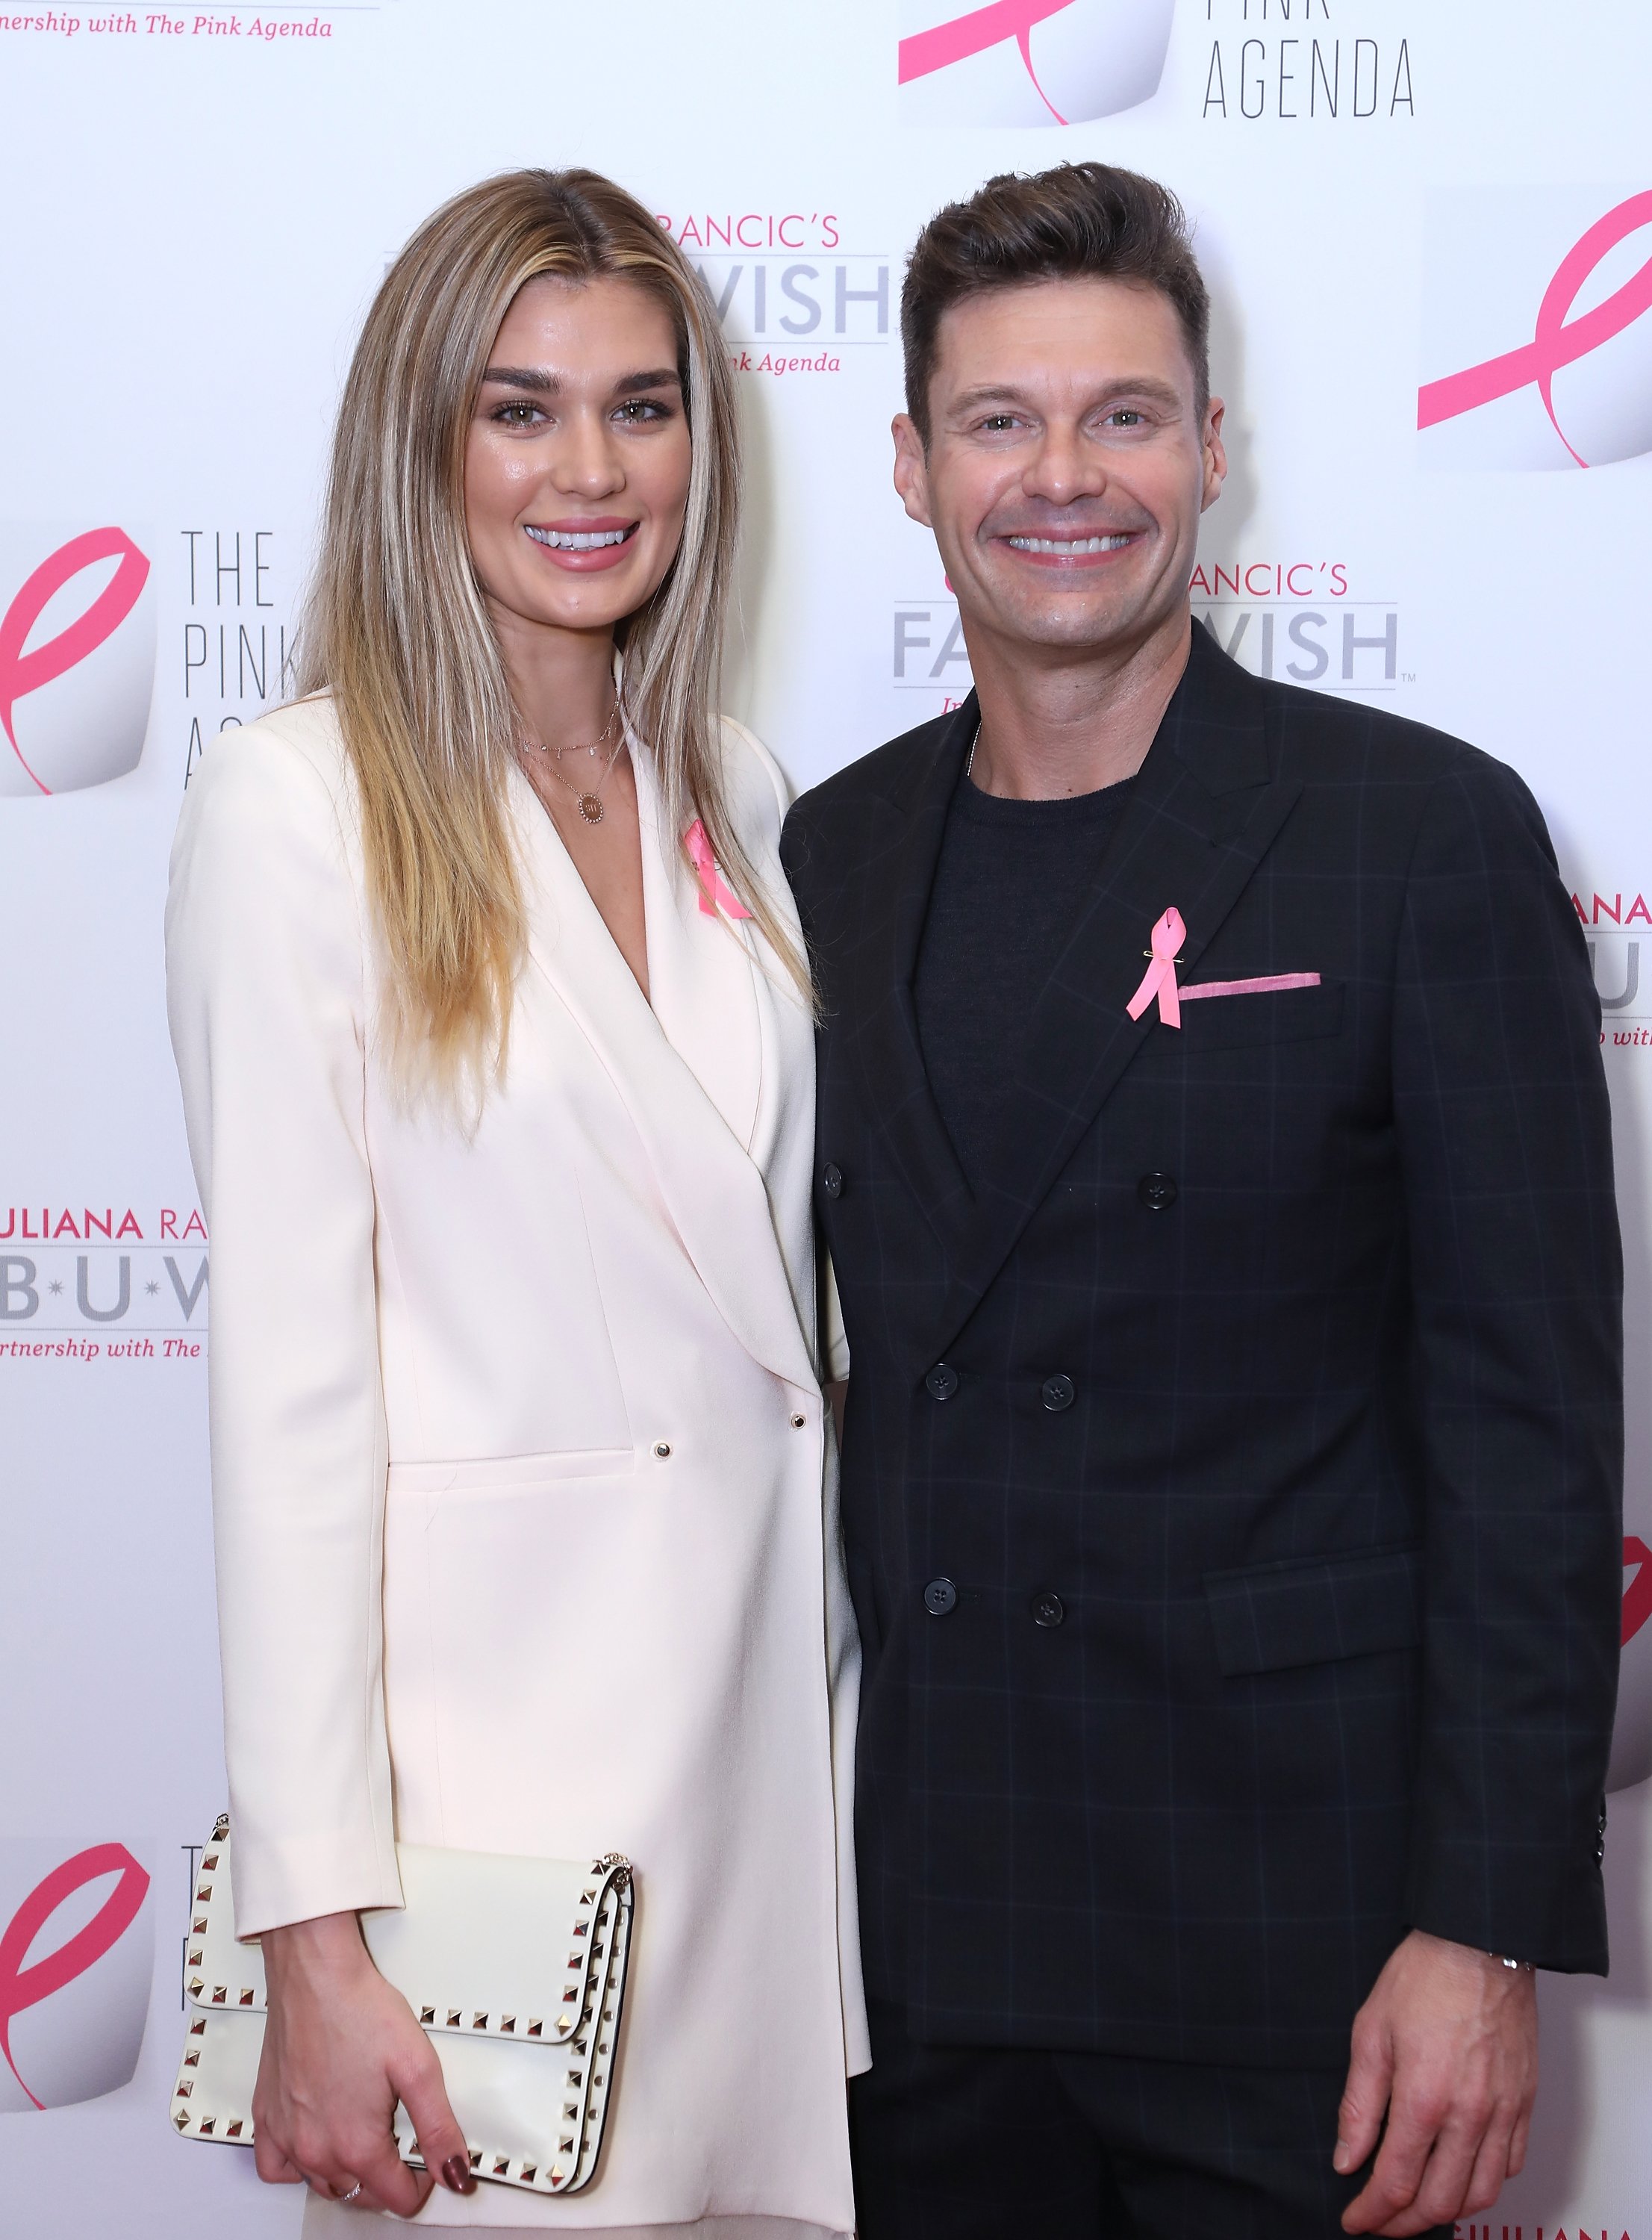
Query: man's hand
x=1447 y=2043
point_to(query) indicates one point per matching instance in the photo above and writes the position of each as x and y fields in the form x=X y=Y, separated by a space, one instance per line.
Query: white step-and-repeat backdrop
x=1428 y=226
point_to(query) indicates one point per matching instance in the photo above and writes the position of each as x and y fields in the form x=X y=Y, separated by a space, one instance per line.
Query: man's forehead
x=1071 y=331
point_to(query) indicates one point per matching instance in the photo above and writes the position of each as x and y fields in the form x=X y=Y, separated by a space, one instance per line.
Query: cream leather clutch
x=514 y=1967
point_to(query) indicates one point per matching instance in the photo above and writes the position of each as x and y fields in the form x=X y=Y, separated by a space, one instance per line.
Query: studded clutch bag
x=516 y=1968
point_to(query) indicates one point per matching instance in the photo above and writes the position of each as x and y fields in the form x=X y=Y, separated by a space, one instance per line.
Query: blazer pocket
x=1282 y=1014
x=510 y=1473
x=1314 y=1610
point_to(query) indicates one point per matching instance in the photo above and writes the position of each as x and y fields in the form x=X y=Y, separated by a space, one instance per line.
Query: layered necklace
x=589 y=798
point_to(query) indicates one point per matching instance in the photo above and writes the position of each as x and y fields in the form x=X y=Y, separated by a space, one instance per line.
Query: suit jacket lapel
x=886 y=1045
x=1205 y=809
x=713 y=1191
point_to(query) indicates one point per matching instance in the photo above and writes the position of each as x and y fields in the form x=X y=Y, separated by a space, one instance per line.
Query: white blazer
x=524 y=1491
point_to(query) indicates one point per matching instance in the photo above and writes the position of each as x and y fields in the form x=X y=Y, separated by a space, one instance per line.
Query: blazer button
x=1156 y=1192
x=940 y=1598
x=942 y=1381
x=831 y=1181
x=1048 y=1610
x=1056 y=1393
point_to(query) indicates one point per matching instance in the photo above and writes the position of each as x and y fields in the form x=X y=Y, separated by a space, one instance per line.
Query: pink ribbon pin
x=713 y=893
x=1159 y=979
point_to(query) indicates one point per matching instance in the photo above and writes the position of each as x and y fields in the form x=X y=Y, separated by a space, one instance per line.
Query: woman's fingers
x=424 y=2094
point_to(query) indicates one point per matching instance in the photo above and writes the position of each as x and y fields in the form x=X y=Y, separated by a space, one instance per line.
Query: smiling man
x=1215 y=1158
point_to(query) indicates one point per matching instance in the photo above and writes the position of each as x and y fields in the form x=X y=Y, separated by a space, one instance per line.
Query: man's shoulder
x=1332 y=739
x=884 y=774
x=840 y=811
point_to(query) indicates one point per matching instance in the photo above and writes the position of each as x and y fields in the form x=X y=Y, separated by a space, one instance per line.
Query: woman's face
x=576 y=464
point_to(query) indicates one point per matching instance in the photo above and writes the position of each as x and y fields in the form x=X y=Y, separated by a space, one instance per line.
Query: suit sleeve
x=1516 y=1281
x=265 y=988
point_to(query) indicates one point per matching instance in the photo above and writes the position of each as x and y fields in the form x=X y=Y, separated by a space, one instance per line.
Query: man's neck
x=1051 y=728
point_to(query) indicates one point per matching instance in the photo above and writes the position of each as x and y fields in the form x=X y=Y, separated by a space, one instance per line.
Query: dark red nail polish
x=456 y=2175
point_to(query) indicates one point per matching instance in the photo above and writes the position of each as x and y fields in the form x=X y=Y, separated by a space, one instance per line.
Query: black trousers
x=973 y=2143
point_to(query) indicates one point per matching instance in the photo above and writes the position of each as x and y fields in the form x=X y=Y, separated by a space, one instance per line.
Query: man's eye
x=996 y=422
x=1126 y=416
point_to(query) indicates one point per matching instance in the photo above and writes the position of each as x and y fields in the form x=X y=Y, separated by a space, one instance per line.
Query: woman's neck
x=561 y=681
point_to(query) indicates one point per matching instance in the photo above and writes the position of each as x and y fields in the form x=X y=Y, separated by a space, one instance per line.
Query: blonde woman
x=495 y=1038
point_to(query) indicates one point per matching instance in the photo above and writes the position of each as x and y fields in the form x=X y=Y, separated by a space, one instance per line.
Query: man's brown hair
x=1077 y=222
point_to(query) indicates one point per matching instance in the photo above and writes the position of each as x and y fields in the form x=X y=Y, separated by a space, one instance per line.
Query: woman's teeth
x=568 y=540
x=1068 y=545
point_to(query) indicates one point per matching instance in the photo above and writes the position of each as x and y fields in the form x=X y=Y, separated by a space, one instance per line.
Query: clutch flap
x=218 y=1971
x=493 y=1946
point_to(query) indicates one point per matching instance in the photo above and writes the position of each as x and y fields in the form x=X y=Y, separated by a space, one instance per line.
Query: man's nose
x=1065 y=467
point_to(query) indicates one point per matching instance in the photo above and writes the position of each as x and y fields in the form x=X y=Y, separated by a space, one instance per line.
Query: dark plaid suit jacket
x=1297 y=1624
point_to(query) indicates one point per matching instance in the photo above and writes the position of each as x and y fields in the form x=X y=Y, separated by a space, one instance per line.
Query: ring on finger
x=351 y=2195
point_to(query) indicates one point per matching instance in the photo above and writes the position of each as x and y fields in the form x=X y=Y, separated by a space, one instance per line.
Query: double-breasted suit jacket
x=525 y=1499
x=1231 y=1487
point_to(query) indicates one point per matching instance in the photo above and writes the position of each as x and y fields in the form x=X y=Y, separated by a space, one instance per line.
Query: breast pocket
x=1261 y=1016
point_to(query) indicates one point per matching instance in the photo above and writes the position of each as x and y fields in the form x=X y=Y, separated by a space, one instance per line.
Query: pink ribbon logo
x=22 y=672
x=713 y=893
x=935 y=49
x=1159 y=979
x=1637 y=1596
x=20 y=1987
x=1556 y=343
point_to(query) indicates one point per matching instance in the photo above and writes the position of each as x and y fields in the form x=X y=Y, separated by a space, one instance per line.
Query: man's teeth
x=1068 y=545
x=570 y=540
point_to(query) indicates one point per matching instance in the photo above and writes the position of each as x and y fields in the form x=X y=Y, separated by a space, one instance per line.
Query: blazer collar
x=895 y=1085
x=1206 y=805
x=687 y=1070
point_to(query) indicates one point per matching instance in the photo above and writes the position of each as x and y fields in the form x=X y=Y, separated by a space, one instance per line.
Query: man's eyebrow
x=1145 y=385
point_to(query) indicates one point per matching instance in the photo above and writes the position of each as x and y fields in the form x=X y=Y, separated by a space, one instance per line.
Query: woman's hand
x=340 y=2048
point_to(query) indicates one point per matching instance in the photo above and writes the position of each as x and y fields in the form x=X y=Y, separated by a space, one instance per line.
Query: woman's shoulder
x=279 y=782
x=758 y=790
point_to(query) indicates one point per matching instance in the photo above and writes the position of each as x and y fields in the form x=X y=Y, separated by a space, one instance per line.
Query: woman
x=495 y=1033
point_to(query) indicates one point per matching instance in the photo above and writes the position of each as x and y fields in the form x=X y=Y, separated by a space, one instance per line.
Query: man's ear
x=911 y=470
x=1215 y=454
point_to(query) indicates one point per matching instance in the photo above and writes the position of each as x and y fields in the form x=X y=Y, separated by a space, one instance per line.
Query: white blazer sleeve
x=266 y=996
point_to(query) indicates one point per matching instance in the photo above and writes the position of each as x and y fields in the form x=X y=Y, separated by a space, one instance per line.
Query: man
x=1213 y=1156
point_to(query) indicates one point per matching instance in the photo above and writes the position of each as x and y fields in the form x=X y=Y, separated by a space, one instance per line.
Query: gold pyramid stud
x=206 y=2126
x=507 y=2021
x=454 y=2018
x=427 y=2014
x=247 y=1997
x=535 y=2029
x=528 y=2173
x=233 y=2130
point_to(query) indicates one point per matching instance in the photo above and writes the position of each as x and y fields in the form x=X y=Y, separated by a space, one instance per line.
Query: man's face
x=1068 y=464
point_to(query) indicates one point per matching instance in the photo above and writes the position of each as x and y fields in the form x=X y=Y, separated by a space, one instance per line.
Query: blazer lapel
x=713 y=1191
x=889 y=1055
x=1205 y=809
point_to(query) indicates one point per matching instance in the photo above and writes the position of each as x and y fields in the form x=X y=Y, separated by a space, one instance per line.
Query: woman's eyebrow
x=524 y=376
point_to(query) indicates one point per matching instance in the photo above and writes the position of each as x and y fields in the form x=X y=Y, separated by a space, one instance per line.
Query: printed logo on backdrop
x=791 y=294
x=1030 y=62
x=95 y=1283
x=1537 y=329
x=1068 y=62
x=1304 y=621
x=76 y=657
x=77 y=1962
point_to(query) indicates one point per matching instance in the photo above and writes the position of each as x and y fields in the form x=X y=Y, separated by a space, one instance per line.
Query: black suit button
x=1156 y=1192
x=942 y=1381
x=1048 y=1610
x=1056 y=1393
x=831 y=1181
x=940 y=1598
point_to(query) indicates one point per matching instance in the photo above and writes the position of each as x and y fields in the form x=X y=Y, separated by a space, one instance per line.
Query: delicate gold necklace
x=589 y=799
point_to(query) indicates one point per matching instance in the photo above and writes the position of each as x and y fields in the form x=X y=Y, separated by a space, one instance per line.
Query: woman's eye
x=639 y=409
x=519 y=413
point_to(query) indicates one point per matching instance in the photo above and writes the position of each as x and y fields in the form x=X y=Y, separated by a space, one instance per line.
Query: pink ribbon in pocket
x=1159 y=979
x=713 y=893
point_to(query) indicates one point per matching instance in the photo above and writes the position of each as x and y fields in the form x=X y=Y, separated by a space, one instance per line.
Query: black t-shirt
x=1012 y=879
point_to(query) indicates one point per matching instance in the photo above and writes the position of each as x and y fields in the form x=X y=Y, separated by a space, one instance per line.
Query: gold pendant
x=591 y=808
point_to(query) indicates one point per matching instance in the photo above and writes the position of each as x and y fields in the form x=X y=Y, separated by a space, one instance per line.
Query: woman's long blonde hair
x=398 y=631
